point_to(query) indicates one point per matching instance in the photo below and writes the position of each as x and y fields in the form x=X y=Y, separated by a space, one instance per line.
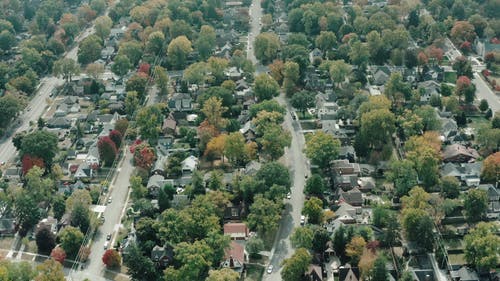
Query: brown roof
x=236 y=251
x=238 y=227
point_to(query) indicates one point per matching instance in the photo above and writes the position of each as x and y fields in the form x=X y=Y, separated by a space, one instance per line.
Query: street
x=93 y=270
x=484 y=92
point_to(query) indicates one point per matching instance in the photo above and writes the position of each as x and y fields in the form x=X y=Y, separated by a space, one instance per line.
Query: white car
x=270 y=269
x=106 y=245
x=110 y=199
x=302 y=220
x=288 y=195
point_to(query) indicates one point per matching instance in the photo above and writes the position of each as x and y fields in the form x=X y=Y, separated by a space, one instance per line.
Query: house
x=7 y=226
x=248 y=131
x=159 y=166
x=485 y=46
x=58 y=122
x=346 y=213
x=162 y=256
x=353 y=197
x=234 y=257
x=181 y=102
x=62 y=110
x=84 y=171
x=348 y=152
x=458 y=153
x=449 y=128
x=50 y=223
x=252 y=168
x=315 y=53
x=155 y=182
x=107 y=53
x=467 y=173
x=348 y=273
x=493 y=197
x=381 y=75
x=233 y=73
x=233 y=212
x=366 y=184
x=12 y=174
x=236 y=230
x=169 y=126
x=92 y=157
x=430 y=88
x=314 y=273
x=344 y=167
x=464 y=274
x=190 y=164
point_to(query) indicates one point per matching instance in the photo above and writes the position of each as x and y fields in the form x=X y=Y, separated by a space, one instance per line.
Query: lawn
x=477 y=121
x=450 y=77
x=457 y=258
x=308 y=125
x=254 y=272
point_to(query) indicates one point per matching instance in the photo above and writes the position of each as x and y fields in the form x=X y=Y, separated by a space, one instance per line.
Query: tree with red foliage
x=107 y=151
x=58 y=254
x=373 y=246
x=465 y=88
x=144 y=68
x=437 y=54
x=134 y=145
x=466 y=47
x=111 y=258
x=29 y=162
x=116 y=137
x=144 y=156
x=462 y=31
x=489 y=58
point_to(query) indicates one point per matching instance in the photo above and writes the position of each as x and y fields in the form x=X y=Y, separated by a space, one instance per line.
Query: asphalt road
x=94 y=269
x=255 y=16
x=484 y=92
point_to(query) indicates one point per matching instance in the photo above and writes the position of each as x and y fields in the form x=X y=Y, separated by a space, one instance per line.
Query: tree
x=326 y=40
x=339 y=71
x=95 y=70
x=148 y=121
x=215 y=148
x=234 y=149
x=7 y=40
x=295 y=266
x=254 y=246
x=482 y=246
x=266 y=47
x=266 y=105
x=483 y=105
x=379 y=272
x=303 y=100
x=491 y=167
x=58 y=255
x=274 y=140
x=58 y=206
x=45 y=240
x=26 y=211
x=359 y=54
x=313 y=210
x=302 y=237
x=132 y=50
x=272 y=173
x=177 y=51
x=354 y=249
x=462 y=31
x=103 y=26
x=476 y=205
x=161 y=80
x=80 y=217
x=50 y=270
x=10 y=106
x=464 y=88
x=450 y=187
x=71 y=239
x=121 y=65
x=116 y=137
x=213 y=110
x=39 y=188
x=291 y=75
x=107 y=150
x=424 y=152
x=265 y=87
x=144 y=156
x=463 y=67
x=89 y=49
x=315 y=185
x=264 y=215
x=418 y=227
x=111 y=258
x=41 y=144
x=224 y=274
x=206 y=41
x=322 y=149
x=78 y=197
x=366 y=262
x=140 y=267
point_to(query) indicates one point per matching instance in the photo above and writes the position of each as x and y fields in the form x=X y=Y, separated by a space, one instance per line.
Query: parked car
x=110 y=199
x=302 y=220
x=106 y=245
x=288 y=195
x=108 y=237
x=270 y=269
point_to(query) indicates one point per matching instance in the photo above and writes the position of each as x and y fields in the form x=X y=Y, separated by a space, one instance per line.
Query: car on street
x=302 y=220
x=288 y=195
x=106 y=245
x=270 y=269
x=110 y=199
x=108 y=237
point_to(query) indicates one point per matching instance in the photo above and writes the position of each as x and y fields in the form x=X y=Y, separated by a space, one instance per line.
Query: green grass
x=450 y=77
x=457 y=258
x=477 y=122
x=254 y=272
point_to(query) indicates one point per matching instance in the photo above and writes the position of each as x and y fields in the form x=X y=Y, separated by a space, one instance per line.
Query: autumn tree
x=216 y=147
x=107 y=150
x=465 y=88
x=295 y=267
x=213 y=110
x=177 y=51
x=424 y=152
x=322 y=149
x=377 y=127
x=95 y=70
x=224 y=274
x=112 y=258
x=50 y=270
x=265 y=87
x=313 y=210
x=144 y=156
x=58 y=254
x=355 y=248
x=462 y=31
x=116 y=137
x=491 y=167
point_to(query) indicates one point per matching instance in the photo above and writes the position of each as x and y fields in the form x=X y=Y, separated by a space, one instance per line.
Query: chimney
x=231 y=262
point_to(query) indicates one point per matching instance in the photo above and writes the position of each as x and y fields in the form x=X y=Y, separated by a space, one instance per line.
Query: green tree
x=177 y=51
x=89 y=49
x=359 y=54
x=234 y=149
x=418 y=227
x=140 y=267
x=213 y=110
x=274 y=140
x=272 y=173
x=265 y=87
x=295 y=266
x=148 y=121
x=266 y=47
x=103 y=26
x=339 y=71
x=313 y=210
x=482 y=246
x=7 y=40
x=121 y=65
x=206 y=41
x=80 y=217
x=224 y=274
x=303 y=100
x=476 y=205
x=266 y=105
x=45 y=240
x=291 y=75
x=161 y=80
x=326 y=40
x=315 y=185
x=254 y=246
x=132 y=50
x=42 y=144
x=379 y=272
x=71 y=239
x=10 y=106
x=50 y=270
x=354 y=249
x=403 y=175
x=378 y=125
x=40 y=188
x=450 y=187
x=264 y=215
x=302 y=237
x=155 y=43
x=322 y=149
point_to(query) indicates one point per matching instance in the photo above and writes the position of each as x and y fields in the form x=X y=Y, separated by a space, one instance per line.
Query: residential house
x=458 y=153
x=493 y=197
x=314 y=54
x=252 y=168
x=314 y=273
x=181 y=102
x=169 y=126
x=248 y=131
x=348 y=273
x=84 y=171
x=468 y=173
x=107 y=53
x=62 y=110
x=353 y=197
x=485 y=46
x=233 y=73
x=190 y=164
x=331 y=127
x=58 y=122
x=162 y=256
x=366 y=184
x=92 y=157
x=237 y=231
x=12 y=174
x=348 y=152
x=346 y=213
x=381 y=75
x=50 y=223
x=449 y=128
x=159 y=166
x=233 y=212
x=430 y=88
x=344 y=167
x=234 y=257
x=155 y=182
